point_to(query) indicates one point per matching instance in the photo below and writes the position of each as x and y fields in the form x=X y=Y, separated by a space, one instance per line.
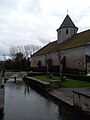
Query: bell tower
x=66 y=30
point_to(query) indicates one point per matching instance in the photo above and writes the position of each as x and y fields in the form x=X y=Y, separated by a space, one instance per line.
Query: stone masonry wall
x=75 y=58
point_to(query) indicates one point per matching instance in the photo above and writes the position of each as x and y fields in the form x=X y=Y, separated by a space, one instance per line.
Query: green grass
x=68 y=83
x=46 y=79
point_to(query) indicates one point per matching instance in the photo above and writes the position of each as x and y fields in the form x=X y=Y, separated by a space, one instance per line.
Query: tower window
x=66 y=31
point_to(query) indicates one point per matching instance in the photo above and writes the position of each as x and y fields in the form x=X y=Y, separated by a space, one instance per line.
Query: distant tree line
x=20 y=57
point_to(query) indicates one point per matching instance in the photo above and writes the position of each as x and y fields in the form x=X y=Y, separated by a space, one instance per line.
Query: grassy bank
x=47 y=79
x=68 y=83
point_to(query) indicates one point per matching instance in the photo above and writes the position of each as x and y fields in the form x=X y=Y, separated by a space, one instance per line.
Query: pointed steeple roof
x=67 y=23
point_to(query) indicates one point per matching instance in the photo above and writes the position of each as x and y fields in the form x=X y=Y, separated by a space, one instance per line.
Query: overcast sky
x=35 y=22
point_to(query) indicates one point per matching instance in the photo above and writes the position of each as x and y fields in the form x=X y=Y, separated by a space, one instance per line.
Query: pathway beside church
x=66 y=94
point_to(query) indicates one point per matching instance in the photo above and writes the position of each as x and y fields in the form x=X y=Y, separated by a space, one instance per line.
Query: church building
x=71 y=51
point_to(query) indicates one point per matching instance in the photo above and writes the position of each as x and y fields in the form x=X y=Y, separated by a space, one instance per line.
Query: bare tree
x=13 y=51
x=27 y=50
x=60 y=56
x=48 y=61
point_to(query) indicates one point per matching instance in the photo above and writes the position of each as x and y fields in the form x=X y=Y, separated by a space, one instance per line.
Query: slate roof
x=67 y=23
x=80 y=39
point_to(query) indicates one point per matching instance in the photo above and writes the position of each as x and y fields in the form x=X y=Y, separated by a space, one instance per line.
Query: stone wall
x=62 y=36
x=1 y=98
x=81 y=101
x=53 y=56
x=87 y=50
x=75 y=59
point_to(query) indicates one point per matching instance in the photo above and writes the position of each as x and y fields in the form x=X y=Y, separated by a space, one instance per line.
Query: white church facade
x=71 y=47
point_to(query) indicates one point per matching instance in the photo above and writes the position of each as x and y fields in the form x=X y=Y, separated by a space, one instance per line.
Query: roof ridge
x=79 y=39
x=83 y=31
x=67 y=22
x=45 y=46
x=75 y=35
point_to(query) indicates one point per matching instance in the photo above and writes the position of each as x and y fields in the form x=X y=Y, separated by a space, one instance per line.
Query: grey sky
x=35 y=22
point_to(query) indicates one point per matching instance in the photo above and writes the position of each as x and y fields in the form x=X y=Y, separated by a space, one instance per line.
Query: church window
x=39 y=63
x=66 y=31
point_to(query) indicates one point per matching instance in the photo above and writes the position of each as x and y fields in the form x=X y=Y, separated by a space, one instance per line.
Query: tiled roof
x=67 y=23
x=77 y=40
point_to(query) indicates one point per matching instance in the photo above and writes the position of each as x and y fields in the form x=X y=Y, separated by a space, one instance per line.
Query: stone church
x=71 y=50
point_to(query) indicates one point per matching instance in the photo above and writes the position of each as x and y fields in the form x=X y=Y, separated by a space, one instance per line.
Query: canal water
x=24 y=103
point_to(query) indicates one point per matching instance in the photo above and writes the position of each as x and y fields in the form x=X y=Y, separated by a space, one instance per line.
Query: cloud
x=3 y=49
x=35 y=22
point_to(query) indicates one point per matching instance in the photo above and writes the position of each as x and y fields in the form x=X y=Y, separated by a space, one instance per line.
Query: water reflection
x=27 y=89
x=23 y=103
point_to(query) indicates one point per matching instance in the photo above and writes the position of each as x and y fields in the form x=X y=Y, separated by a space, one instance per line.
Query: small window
x=66 y=31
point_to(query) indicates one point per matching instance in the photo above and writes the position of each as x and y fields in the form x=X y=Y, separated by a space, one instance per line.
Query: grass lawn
x=68 y=83
x=46 y=79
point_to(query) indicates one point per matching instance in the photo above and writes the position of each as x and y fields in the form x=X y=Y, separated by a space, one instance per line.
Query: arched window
x=50 y=62
x=39 y=63
x=66 y=31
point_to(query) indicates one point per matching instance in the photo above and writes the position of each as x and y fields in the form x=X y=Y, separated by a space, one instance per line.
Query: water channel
x=24 y=103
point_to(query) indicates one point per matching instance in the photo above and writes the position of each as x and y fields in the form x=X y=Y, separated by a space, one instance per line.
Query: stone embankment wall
x=1 y=98
x=81 y=101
